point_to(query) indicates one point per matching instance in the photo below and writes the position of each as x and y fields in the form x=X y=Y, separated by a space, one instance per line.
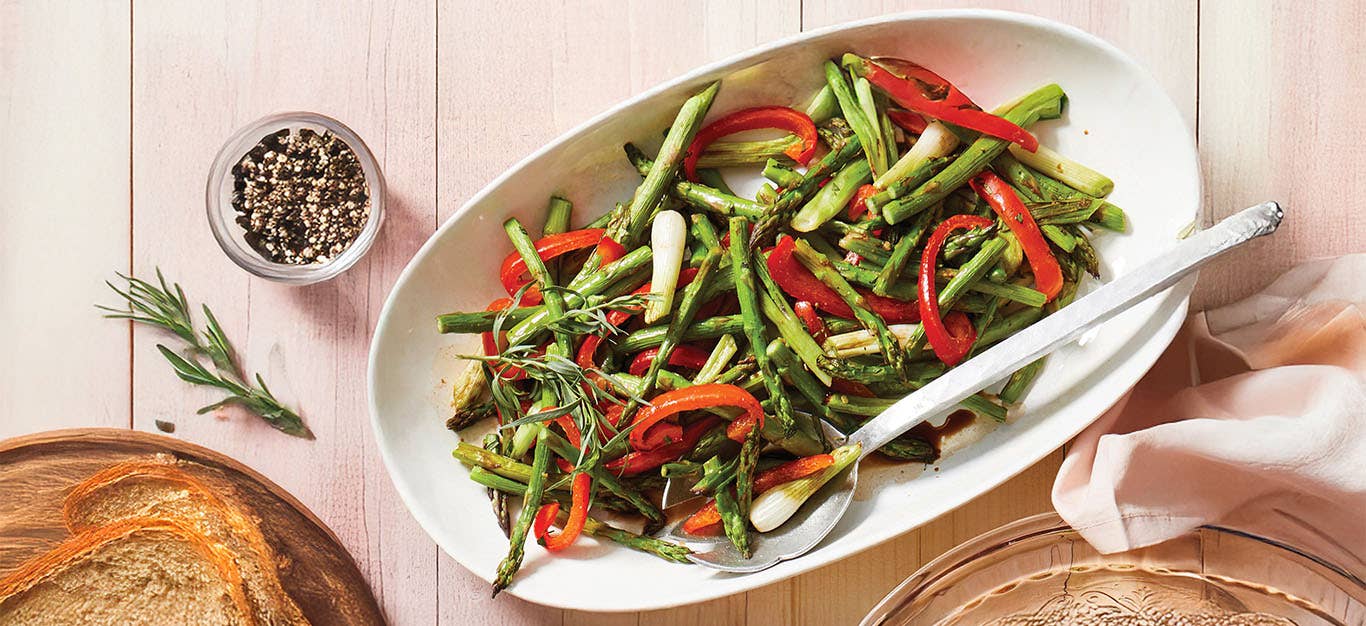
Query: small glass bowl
x=223 y=217
x=1038 y=570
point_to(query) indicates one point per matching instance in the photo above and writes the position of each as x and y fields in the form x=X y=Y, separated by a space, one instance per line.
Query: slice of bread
x=158 y=487
x=135 y=571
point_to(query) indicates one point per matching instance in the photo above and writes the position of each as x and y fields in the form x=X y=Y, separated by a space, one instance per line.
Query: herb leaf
x=165 y=306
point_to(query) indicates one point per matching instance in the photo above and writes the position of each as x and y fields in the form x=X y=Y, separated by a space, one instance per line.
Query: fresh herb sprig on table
x=165 y=306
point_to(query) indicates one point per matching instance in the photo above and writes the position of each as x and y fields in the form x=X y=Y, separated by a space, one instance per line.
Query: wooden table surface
x=110 y=113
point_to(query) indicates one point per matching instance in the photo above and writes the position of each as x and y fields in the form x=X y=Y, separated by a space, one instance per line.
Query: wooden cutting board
x=37 y=471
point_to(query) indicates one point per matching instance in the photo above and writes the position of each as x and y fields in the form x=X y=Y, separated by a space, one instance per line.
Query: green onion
x=775 y=506
x=669 y=240
x=1057 y=166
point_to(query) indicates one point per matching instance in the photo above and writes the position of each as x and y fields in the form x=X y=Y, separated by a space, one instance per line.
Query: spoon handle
x=1067 y=324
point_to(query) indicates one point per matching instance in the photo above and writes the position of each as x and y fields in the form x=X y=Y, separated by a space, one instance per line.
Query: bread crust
x=267 y=599
x=84 y=544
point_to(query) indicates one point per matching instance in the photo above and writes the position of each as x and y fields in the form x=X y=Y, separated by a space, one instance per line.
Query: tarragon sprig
x=165 y=306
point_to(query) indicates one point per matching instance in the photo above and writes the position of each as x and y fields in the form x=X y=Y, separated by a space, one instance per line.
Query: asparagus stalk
x=870 y=139
x=872 y=322
x=507 y=467
x=733 y=153
x=550 y=294
x=498 y=498
x=629 y=229
x=712 y=178
x=1065 y=170
x=1019 y=382
x=735 y=524
x=889 y=131
x=481 y=321
x=832 y=198
x=823 y=106
x=864 y=244
x=687 y=310
x=924 y=170
x=780 y=212
x=469 y=415
x=593 y=284
x=1010 y=291
x=781 y=175
x=791 y=369
x=1008 y=325
x=781 y=426
x=531 y=501
x=558 y=216
x=610 y=482
x=597 y=528
x=777 y=310
x=468 y=388
x=716 y=474
x=744 y=472
x=902 y=252
x=1045 y=188
x=720 y=356
x=709 y=198
x=711 y=444
x=1043 y=102
x=652 y=336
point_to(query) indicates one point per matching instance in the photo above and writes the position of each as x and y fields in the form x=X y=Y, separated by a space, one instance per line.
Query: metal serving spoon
x=817 y=517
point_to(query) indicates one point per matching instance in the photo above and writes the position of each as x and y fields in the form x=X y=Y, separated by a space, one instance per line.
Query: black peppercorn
x=300 y=196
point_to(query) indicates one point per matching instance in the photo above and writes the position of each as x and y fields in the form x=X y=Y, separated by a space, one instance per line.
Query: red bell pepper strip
x=609 y=250
x=685 y=356
x=927 y=93
x=851 y=388
x=671 y=403
x=579 y=490
x=739 y=428
x=998 y=194
x=490 y=345
x=857 y=205
x=912 y=123
x=589 y=347
x=801 y=284
x=639 y=462
x=950 y=349
x=545 y=516
x=813 y=322
x=513 y=271
x=707 y=519
x=507 y=372
x=783 y=118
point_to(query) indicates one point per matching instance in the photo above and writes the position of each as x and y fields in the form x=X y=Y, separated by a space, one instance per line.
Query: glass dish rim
x=1031 y=527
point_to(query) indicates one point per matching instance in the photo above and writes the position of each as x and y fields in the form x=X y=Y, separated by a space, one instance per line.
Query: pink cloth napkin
x=1254 y=418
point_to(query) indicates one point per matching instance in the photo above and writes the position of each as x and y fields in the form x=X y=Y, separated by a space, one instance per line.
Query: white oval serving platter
x=1118 y=120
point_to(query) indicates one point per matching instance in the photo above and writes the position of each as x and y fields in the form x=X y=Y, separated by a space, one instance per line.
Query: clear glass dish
x=1039 y=571
x=222 y=215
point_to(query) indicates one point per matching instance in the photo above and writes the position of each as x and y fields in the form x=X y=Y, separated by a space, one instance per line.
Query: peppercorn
x=301 y=197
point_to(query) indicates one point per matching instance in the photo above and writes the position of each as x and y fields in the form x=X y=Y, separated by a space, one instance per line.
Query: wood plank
x=64 y=219
x=1280 y=93
x=201 y=72
x=588 y=56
